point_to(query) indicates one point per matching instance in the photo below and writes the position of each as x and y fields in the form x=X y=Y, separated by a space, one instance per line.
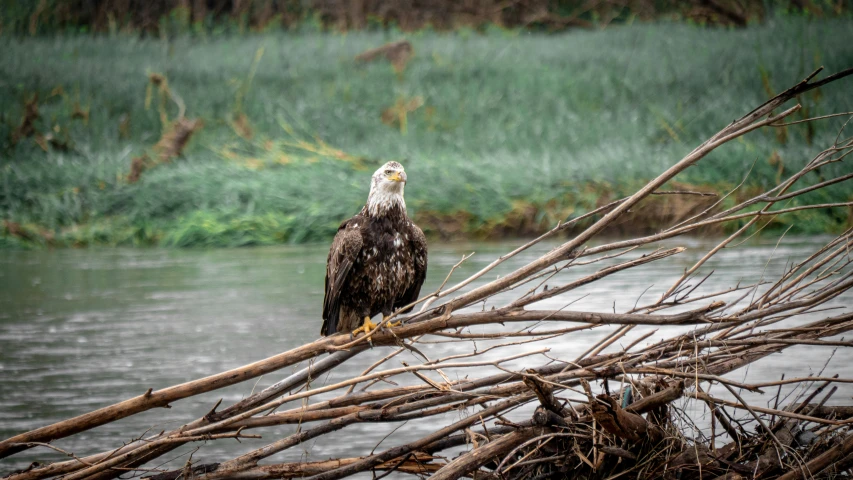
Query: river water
x=81 y=329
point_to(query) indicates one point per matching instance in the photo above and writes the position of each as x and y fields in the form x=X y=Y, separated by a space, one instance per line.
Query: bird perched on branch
x=378 y=259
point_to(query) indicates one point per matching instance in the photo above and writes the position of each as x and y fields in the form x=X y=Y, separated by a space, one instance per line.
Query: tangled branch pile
x=633 y=428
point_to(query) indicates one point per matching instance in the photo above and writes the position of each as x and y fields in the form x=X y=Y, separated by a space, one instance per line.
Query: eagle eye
x=389 y=172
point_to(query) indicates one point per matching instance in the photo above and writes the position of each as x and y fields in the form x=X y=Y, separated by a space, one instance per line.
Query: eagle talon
x=366 y=327
x=393 y=324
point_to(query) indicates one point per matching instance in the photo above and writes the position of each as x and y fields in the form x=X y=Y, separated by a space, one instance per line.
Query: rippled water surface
x=81 y=329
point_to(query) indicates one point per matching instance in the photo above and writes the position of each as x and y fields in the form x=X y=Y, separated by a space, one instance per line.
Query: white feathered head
x=386 y=189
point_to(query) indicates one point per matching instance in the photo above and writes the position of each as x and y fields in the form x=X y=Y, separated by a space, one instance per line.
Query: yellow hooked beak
x=397 y=177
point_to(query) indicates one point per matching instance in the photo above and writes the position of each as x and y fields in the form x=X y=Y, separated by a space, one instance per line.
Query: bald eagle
x=378 y=259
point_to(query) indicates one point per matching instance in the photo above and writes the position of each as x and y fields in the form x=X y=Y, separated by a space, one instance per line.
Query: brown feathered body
x=377 y=264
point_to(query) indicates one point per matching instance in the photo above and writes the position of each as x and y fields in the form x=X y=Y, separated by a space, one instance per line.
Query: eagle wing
x=418 y=246
x=344 y=252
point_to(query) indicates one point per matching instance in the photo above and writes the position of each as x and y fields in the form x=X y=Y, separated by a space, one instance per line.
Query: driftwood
x=633 y=425
x=622 y=423
x=27 y=127
x=397 y=53
x=176 y=134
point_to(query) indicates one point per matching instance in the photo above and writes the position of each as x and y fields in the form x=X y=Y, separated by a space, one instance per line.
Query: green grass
x=509 y=119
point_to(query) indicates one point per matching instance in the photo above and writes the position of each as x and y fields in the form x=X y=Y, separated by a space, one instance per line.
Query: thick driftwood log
x=546 y=418
x=545 y=394
x=732 y=476
x=194 y=471
x=821 y=463
x=617 y=452
x=694 y=458
x=492 y=451
x=657 y=400
x=829 y=411
x=617 y=421
x=398 y=53
x=415 y=463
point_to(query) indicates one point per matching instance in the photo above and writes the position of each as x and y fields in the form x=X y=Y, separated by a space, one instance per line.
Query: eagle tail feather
x=330 y=325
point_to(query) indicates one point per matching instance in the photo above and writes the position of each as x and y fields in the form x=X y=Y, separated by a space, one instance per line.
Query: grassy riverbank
x=508 y=132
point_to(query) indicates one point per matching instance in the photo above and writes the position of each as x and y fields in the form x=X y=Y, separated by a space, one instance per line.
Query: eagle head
x=386 y=189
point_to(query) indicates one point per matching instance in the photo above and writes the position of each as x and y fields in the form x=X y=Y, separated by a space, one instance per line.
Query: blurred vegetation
x=165 y=17
x=502 y=133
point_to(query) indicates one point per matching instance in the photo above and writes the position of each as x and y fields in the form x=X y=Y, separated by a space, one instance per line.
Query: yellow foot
x=392 y=324
x=366 y=327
